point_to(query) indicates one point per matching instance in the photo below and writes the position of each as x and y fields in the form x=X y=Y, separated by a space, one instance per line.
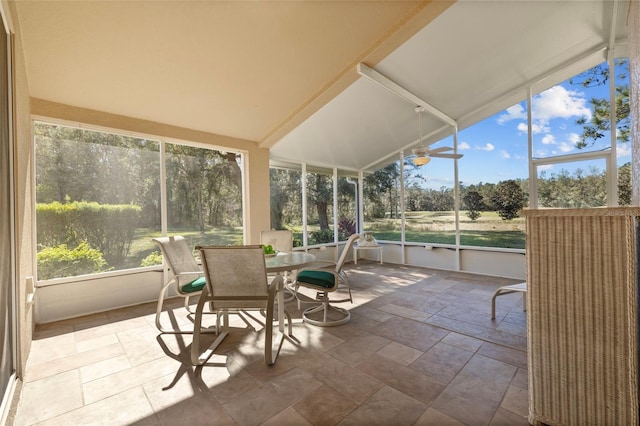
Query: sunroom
x=220 y=120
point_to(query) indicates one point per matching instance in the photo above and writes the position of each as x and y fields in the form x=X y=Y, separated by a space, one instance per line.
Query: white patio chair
x=325 y=280
x=506 y=289
x=236 y=280
x=186 y=274
x=282 y=241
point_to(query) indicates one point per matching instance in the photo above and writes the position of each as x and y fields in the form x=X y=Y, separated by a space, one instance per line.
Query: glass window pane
x=286 y=202
x=382 y=203
x=320 y=208
x=494 y=179
x=347 y=208
x=579 y=184
x=98 y=200
x=572 y=116
x=204 y=195
x=429 y=200
x=623 y=150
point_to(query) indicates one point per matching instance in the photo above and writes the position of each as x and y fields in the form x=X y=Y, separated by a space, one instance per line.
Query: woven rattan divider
x=582 y=316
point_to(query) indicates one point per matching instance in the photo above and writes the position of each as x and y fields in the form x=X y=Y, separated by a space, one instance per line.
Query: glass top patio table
x=288 y=261
x=282 y=262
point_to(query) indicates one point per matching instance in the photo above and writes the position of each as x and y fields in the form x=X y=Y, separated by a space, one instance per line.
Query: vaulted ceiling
x=283 y=73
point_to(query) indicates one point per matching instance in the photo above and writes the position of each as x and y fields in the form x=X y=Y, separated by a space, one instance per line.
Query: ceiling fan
x=422 y=154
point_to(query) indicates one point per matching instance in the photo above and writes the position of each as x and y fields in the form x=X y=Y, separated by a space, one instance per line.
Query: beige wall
x=24 y=192
x=257 y=197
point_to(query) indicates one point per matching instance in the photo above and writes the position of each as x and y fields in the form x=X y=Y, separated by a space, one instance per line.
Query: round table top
x=288 y=261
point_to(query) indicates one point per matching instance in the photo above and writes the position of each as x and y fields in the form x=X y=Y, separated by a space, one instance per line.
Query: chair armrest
x=320 y=264
x=182 y=274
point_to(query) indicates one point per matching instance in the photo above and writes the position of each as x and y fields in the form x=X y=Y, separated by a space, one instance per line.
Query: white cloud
x=504 y=154
x=523 y=128
x=566 y=147
x=574 y=138
x=540 y=127
x=548 y=139
x=545 y=167
x=487 y=147
x=463 y=145
x=516 y=112
x=559 y=102
x=623 y=149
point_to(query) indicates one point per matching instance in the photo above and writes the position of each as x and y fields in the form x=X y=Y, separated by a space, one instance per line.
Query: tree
x=624 y=185
x=600 y=121
x=509 y=199
x=320 y=195
x=382 y=181
x=474 y=203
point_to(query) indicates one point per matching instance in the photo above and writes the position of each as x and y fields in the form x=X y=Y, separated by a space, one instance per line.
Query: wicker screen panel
x=582 y=316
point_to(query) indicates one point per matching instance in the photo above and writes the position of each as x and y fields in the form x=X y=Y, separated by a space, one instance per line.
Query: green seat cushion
x=195 y=285
x=318 y=278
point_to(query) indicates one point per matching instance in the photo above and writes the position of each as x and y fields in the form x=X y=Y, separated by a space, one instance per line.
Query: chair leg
x=198 y=358
x=270 y=356
x=343 y=315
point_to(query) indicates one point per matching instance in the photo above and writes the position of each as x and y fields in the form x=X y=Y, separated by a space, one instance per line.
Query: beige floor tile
x=259 y=405
x=351 y=382
x=127 y=379
x=288 y=417
x=504 y=354
x=184 y=402
x=516 y=400
x=49 y=397
x=442 y=361
x=400 y=353
x=386 y=407
x=402 y=311
x=104 y=368
x=461 y=341
x=72 y=362
x=325 y=406
x=433 y=417
x=403 y=379
x=474 y=395
x=359 y=348
x=130 y=407
x=507 y=418
x=414 y=334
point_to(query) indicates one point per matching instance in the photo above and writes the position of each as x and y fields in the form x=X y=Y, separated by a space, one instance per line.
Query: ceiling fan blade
x=445 y=155
x=441 y=149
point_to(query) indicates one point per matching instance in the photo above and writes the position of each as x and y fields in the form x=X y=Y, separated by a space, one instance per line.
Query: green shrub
x=322 y=236
x=153 y=259
x=60 y=261
x=109 y=228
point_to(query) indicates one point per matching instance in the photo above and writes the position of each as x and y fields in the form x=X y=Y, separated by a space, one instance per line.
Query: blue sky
x=496 y=149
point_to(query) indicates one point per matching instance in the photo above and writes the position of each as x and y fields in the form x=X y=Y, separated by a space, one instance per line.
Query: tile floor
x=420 y=349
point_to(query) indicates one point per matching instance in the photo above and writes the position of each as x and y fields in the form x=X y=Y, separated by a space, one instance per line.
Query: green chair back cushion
x=318 y=278
x=195 y=285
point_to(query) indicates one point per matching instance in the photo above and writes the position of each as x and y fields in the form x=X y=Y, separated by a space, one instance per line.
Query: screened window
x=99 y=199
x=286 y=202
x=494 y=179
x=204 y=195
x=347 y=206
x=382 y=212
x=429 y=199
x=320 y=207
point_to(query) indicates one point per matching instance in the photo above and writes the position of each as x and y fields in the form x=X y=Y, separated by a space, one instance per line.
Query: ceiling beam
x=400 y=91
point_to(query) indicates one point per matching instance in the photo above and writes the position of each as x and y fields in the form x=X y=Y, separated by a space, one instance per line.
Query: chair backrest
x=236 y=275
x=347 y=249
x=179 y=257
x=280 y=240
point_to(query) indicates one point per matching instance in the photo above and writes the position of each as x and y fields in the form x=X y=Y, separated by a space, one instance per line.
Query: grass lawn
x=421 y=227
x=439 y=228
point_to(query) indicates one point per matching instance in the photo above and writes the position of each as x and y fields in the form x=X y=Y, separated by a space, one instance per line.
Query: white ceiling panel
x=475 y=59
